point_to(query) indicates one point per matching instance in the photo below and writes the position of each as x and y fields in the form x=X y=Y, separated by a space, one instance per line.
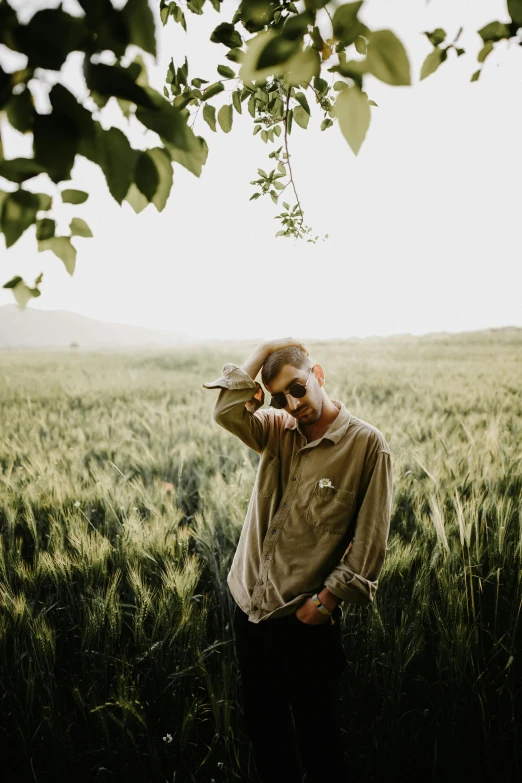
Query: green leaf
x=55 y=144
x=251 y=105
x=136 y=199
x=212 y=90
x=432 y=62
x=387 y=59
x=49 y=36
x=45 y=201
x=515 y=11
x=353 y=112
x=45 y=228
x=209 y=115
x=117 y=160
x=236 y=100
x=302 y=67
x=295 y=27
x=63 y=248
x=20 y=111
x=70 y=196
x=117 y=81
x=278 y=50
x=225 y=71
x=58 y=136
x=235 y=55
x=225 y=117
x=140 y=24
x=437 y=37
x=281 y=168
x=255 y=14
x=301 y=117
x=13 y=282
x=21 y=292
x=346 y=26
x=179 y=16
x=146 y=176
x=154 y=176
x=475 y=76
x=264 y=136
x=18 y=213
x=169 y=123
x=326 y=123
x=196 y=6
x=79 y=228
x=20 y=169
x=193 y=158
x=485 y=51
x=494 y=31
x=301 y=99
x=5 y=85
x=361 y=45
x=199 y=82
x=163 y=164
x=226 y=34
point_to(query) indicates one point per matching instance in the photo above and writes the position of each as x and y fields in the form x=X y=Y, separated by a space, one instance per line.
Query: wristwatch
x=322 y=609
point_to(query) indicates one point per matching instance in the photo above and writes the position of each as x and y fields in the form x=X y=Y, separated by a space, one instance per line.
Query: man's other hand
x=309 y=614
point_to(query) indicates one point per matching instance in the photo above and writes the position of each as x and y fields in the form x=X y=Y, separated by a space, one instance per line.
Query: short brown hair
x=292 y=355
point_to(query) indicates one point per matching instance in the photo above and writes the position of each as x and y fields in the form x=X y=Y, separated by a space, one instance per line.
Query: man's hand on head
x=284 y=342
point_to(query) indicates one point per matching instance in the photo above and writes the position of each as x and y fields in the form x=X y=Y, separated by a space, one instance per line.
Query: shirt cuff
x=354 y=590
x=235 y=378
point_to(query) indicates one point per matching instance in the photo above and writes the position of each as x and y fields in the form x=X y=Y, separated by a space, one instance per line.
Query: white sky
x=424 y=225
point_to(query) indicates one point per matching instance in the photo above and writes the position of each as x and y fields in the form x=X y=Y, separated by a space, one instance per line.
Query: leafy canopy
x=277 y=58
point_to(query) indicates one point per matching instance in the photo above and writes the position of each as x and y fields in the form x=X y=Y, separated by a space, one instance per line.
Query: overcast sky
x=424 y=224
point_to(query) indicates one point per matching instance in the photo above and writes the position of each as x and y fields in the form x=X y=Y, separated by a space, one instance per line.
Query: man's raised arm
x=236 y=408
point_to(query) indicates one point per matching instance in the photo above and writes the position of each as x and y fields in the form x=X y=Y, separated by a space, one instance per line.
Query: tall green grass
x=121 y=503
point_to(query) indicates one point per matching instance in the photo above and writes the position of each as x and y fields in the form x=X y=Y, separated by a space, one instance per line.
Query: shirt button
x=285 y=505
x=294 y=478
x=267 y=557
x=255 y=608
x=274 y=530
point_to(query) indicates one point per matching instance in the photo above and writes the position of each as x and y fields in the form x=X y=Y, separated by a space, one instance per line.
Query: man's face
x=305 y=409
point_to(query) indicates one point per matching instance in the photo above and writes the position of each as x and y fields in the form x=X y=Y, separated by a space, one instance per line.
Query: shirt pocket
x=330 y=509
x=267 y=475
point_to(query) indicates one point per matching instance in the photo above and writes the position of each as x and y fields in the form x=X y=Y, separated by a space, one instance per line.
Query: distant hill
x=32 y=328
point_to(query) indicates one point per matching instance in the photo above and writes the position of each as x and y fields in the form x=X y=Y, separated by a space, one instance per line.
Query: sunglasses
x=296 y=390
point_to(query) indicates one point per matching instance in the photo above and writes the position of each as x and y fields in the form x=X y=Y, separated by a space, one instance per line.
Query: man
x=314 y=536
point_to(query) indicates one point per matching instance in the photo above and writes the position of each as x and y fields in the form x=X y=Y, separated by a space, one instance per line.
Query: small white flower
x=167 y=738
x=77 y=504
x=325 y=482
x=135 y=508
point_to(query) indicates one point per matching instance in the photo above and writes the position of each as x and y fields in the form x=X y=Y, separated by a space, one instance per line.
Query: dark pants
x=290 y=688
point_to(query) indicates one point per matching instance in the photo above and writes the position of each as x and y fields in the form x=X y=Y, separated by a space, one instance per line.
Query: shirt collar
x=335 y=431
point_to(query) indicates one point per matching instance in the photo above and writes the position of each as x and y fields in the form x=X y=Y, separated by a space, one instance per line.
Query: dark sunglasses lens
x=297 y=390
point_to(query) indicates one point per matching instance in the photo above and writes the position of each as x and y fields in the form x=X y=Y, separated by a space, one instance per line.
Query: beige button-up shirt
x=319 y=513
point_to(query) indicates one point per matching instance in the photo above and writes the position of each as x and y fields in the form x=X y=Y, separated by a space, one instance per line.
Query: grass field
x=121 y=503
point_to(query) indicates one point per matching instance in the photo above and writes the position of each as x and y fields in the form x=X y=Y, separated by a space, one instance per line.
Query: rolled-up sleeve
x=355 y=578
x=236 y=408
